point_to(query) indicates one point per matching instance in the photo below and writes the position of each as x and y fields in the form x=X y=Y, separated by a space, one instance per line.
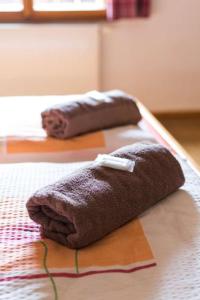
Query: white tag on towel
x=97 y=96
x=113 y=162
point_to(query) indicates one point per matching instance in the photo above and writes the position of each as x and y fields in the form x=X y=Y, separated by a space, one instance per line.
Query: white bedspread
x=112 y=269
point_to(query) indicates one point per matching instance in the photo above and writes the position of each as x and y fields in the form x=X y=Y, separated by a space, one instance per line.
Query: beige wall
x=156 y=59
x=48 y=58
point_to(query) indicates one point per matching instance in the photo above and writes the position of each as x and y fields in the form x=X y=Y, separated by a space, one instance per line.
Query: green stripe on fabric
x=47 y=271
x=76 y=262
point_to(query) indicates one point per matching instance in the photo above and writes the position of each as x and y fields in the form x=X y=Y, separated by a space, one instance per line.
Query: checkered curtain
x=118 y=9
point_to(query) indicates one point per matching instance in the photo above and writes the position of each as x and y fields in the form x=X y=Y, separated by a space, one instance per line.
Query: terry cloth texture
x=86 y=114
x=91 y=202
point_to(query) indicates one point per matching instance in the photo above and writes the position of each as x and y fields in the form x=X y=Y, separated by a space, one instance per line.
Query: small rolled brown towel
x=87 y=113
x=91 y=202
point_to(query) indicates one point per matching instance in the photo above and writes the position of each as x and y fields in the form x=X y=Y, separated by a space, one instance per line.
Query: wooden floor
x=186 y=131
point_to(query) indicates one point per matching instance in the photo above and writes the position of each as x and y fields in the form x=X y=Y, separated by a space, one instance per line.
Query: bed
x=155 y=256
x=22 y=138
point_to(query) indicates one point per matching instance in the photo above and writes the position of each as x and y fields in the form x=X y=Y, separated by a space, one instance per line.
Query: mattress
x=153 y=257
x=22 y=138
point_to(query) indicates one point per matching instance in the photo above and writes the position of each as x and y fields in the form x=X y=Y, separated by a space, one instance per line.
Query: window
x=51 y=10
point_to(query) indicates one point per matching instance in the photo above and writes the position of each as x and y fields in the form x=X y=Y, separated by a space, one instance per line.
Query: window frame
x=28 y=14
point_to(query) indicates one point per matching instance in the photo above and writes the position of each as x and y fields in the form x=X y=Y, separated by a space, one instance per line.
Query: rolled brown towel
x=90 y=112
x=91 y=202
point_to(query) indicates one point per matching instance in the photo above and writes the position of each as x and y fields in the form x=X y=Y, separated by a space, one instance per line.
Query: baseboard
x=177 y=114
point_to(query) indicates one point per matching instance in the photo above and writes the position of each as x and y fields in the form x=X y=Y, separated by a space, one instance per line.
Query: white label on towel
x=98 y=96
x=113 y=162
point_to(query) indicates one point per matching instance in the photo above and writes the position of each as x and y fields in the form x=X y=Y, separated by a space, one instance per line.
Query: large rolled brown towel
x=91 y=202
x=90 y=112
